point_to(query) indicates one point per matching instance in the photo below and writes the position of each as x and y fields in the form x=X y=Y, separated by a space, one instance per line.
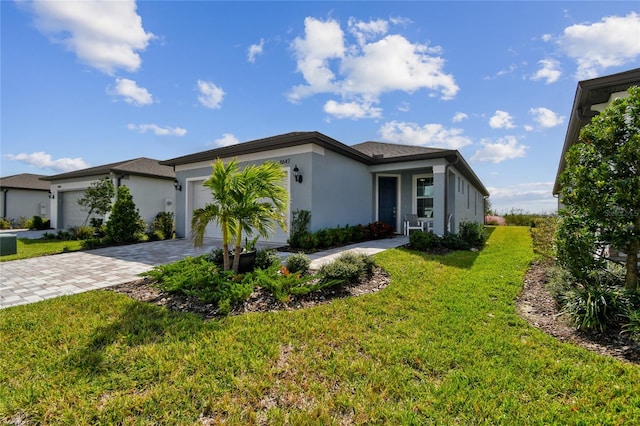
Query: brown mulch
x=535 y=304
x=259 y=301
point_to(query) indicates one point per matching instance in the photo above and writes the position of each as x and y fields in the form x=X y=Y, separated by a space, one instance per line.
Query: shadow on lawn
x=139 y=324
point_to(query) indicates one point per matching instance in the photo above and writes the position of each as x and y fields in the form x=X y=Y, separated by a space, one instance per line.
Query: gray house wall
x=24 y=203
x=341 y=189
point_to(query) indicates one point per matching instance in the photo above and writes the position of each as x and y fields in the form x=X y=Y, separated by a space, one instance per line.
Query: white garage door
x=201 y=196
x=72 y=213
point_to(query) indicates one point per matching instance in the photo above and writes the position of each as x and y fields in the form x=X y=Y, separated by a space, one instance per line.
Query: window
x=424 y=196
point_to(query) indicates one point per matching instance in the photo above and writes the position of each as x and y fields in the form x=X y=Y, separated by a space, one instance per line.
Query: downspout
x=446 y=192
x=4 y=202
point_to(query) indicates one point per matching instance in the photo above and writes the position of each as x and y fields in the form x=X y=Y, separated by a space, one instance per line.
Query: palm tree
x=248 y=200
x=223 y=184
x=261 y=204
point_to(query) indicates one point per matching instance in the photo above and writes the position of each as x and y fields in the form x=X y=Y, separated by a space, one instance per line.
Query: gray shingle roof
x=138 y=166
x=366 y=152
x=393 y=150
x=25 y=181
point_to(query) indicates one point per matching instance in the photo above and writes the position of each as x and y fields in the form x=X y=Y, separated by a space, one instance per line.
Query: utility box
x=8 y=244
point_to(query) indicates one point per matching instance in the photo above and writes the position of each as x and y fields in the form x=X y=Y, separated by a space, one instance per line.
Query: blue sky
x=89 y=83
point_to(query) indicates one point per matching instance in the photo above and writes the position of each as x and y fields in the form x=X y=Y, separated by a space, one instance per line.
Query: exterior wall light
x=51 y=195
x=296 y=174
x=176 y=185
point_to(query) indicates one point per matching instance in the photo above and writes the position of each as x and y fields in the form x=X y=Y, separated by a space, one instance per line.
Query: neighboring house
x=342 y=184
x=151 y=185
x=24 y=195
x=592 y=97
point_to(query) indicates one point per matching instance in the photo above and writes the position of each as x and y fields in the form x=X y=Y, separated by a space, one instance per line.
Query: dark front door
x=388 y=200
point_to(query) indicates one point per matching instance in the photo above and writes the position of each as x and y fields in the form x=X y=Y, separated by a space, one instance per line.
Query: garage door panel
x=201 y=196
x=72 y=213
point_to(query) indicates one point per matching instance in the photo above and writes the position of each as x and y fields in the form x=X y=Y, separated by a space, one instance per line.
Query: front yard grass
x=27 y=248
x=442 y=344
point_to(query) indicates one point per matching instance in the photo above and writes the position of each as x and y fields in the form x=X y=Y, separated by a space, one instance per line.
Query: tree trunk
x=225 y=244
x=631 y=277
x=236 y=255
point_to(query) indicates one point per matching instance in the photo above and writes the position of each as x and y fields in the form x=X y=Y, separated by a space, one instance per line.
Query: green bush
x=92 y=243
x=347 y=268
x=300 y=222
x=377 y=230
x=124 y=224
x=4 y=224
x=424 y=241
x=196 y=276
x=163 y=222
x=298 y=263
x=83 y=232
x=543 y=235
x=265 y=259
x=37 y=222
x=473 y=234
x=156 y=235
x=282 y=284
x=595 y=303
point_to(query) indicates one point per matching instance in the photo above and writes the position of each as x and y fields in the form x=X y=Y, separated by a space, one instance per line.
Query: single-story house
x=346 y=185
x=592 y=97
x=24 y=196
x=151 y=184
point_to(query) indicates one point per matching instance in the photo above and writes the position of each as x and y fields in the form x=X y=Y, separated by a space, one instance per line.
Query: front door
x=388 y=200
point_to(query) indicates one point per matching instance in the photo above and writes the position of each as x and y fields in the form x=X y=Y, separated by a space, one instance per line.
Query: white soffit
x=613 y=97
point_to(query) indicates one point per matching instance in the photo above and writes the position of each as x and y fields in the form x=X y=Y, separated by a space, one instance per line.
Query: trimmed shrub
x=377 y=230
x=124 y=224
x=4 y=224
x=347 y=268
x=298 y=263
x=300 y=221
x=265 y=259
x=473 y=234
x=424 y=241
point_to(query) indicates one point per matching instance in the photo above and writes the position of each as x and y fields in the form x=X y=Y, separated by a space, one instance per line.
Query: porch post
x=439 y=199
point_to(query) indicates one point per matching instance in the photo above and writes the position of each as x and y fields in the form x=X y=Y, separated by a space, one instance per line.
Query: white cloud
x=159 y=131
x=374 y=64
x=353 y=110
x=44 y=161
x=404 y=107
x=106 y=35
x=322 y=41
x=528 y=128
x=547 y=37
x=506 y=148
x=364 y=31
x=549 y=71
x=613 y=41
x=255 y=50
x=226 y=140
x=430 y=135
x=459 y=116
x=210 y=95
x=131 y=92
x=534 y=197
x=501 y=120
x=545 y=117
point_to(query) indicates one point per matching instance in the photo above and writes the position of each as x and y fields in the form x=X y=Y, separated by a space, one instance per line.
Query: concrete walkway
x=32 y=280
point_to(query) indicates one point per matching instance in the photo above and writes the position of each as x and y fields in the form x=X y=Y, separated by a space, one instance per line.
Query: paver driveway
x=40 y=278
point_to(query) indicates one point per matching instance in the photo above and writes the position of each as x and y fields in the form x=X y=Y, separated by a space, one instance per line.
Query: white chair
x=411 y=221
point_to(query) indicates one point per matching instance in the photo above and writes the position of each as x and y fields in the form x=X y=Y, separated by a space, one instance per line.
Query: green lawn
x=27 y=248
x=441 y=345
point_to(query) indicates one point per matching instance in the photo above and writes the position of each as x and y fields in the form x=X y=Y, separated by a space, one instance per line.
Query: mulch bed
x=259 y=301
x=535 y=304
